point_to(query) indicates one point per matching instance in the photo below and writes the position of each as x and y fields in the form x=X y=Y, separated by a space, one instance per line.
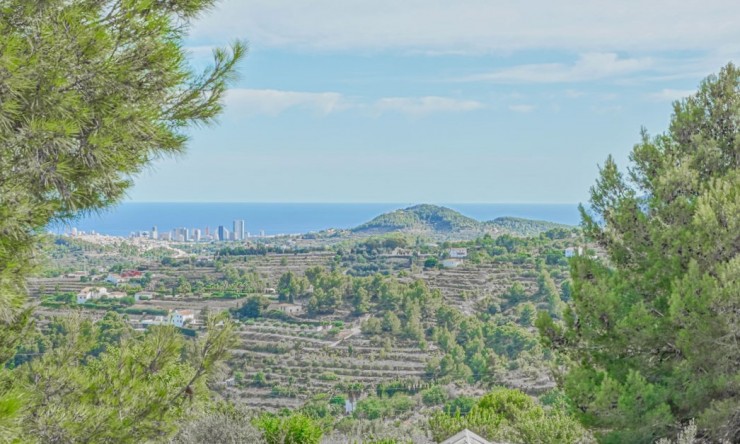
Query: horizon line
x=339 y=202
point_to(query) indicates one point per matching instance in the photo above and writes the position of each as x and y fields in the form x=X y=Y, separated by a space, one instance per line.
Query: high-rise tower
x=239 y=229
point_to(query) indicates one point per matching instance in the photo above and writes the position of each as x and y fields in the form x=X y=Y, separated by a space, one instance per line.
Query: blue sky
x=438 y=101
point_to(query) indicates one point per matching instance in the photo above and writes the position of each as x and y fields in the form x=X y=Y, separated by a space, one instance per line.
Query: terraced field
x=272 y=266
x=299 y=361
x=464 y=286
x=279 y=364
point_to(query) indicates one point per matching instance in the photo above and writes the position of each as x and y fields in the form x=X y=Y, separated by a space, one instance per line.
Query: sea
x=283 y=218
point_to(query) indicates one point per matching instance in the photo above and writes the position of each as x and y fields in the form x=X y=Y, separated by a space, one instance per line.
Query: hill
x=437 y=221
x=420 y=218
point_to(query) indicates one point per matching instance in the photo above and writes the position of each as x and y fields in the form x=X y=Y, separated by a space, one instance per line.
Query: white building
x=239 y=229
x=573 y=251
x=179 y=318
x=88 y=294
x=116 y=279
x=458 y=253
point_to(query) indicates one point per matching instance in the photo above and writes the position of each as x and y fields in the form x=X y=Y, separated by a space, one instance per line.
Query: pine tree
x=91 y=91
x=653 y=331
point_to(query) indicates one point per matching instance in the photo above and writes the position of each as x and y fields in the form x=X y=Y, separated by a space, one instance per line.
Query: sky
x=432 y=101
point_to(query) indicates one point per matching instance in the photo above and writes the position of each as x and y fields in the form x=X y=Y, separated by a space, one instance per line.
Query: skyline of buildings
x=183 y=234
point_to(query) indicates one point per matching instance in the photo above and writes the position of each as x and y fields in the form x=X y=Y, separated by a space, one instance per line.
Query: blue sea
x=285 y=218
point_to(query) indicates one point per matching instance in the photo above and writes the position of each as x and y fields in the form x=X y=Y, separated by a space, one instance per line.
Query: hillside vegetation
x=435 y=221
x=524 y=227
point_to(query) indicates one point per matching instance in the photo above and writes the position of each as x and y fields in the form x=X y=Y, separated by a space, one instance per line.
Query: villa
x=90 y=293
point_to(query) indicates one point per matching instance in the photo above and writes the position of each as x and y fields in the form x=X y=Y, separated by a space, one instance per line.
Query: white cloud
x=574 y=94
x=669 y=95
x=522 y=108
x=425 y=105
x=464 y=26
x=589 y=66
x=273 y=102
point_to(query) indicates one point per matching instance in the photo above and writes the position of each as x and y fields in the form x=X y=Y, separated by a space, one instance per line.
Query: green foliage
x=391 y=323
x=147 y=311
x=259 y=379
x=96 y=383
x=652 y=333
x=510 y=415
x=515 y=294
x=459 y=406
x=438 y=219
x=408 y=386
x=291 y=287
x=527 y=313
x=337 y=400
x=372 y=326
x=384 y=243
x=296 y=428
x=253 y=308
x=429 y=217
x=434 y=395
x=375 y=408
x=92 y=91
x=527 y=227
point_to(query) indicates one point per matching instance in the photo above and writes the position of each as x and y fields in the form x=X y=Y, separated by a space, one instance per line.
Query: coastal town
x=182 y=234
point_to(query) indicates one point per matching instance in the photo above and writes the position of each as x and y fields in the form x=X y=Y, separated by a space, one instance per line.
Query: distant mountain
x=440 y=221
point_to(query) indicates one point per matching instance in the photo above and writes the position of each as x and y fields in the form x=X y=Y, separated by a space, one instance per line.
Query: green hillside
x=421 y=218
x=439 y=220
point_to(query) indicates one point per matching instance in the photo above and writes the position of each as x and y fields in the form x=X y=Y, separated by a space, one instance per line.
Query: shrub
x=337 y=400
x=294 y=429
x=328 y=376
x=434 y=395
x=459 y=406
